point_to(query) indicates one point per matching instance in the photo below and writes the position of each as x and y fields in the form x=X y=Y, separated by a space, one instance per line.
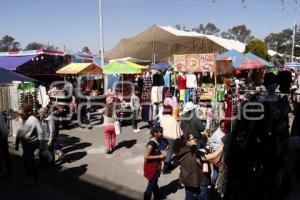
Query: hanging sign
x=194 y=62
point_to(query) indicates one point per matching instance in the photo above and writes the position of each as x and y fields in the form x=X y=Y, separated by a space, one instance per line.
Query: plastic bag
x=117 y=126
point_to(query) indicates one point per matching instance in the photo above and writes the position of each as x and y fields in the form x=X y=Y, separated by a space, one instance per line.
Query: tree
x=211 y=29
x=199 y=29
x=52 y=48
x=208 y=29
x=181 y=27
x=35 y=46
x=86 y=50
x=282 y=41
x=8 y=43
x=227 y=35
x=258 y=48
x=240 y=33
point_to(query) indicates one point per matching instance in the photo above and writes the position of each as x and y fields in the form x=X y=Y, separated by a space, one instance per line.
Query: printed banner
x=194 y=62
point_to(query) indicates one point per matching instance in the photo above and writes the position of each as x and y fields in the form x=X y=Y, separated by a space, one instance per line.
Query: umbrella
x=122 y=67
x=250 y=64
x=293 y=65
x=160 y=66
x=236 y=57
x=251 y=56
x=9 y=76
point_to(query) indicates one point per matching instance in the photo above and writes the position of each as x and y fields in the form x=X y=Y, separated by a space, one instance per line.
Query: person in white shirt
x=215 y=142
x=4 y=154
x=29 y=135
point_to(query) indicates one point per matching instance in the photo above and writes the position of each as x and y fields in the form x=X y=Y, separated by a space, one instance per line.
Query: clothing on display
x=191 y=81
x=147 y=112
x=181 y=80
x=158 y=80
x=220 y=94
x=157 y=94
x=146 y=91
x=167 y=79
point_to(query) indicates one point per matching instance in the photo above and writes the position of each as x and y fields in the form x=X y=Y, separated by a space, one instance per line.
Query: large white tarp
x=161 y=43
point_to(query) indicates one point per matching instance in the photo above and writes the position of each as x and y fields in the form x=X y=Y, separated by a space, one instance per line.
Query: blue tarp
x=9 y=76
x=111 y=81
x=293 y=65
x=236 y=57
x=12 y=62
x=160 y=66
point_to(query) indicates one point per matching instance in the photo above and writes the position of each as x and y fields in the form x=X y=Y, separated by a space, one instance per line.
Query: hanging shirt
x=191 y=81
x=167 y=79
x=181 y=80
x=220 y=94
x=158 y=80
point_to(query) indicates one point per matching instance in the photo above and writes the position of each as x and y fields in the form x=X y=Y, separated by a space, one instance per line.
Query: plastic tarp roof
x=254 y=57
x=12 y=62
x=123 y=67
x=293 y=65
x=236 y=57
x=160 y=66
x=80 y=68
x=7 y=76
x=166 y=41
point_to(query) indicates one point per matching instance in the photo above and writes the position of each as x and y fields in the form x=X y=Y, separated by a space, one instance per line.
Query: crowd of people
x=243 y=157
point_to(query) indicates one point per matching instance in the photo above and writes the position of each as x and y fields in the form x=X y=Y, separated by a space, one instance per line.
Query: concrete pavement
x=87 y=172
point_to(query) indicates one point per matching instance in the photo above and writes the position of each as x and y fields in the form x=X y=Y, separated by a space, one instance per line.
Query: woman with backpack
x=152 y=164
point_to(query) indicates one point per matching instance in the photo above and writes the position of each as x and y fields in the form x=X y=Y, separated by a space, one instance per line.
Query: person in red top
x=152 y=165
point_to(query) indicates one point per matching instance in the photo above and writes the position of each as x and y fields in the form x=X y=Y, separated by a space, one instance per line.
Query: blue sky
x=75 y=23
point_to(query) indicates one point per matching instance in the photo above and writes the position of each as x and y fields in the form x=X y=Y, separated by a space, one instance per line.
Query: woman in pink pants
x=109 y=129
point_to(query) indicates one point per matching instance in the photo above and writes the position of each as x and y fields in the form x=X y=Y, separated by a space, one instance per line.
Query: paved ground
x=87 y=172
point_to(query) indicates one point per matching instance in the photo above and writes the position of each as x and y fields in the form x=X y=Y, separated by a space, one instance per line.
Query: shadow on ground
x=127 y=144
x=58 y=182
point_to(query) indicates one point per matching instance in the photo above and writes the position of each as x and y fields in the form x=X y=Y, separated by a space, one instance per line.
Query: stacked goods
x=5 y=97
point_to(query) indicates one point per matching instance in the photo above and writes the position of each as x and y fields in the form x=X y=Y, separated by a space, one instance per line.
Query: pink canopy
x=250 y=64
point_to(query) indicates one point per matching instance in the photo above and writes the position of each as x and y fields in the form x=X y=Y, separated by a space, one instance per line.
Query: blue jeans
x=152 y=187
x=192 y=193
x=214 y=176
x=170 y=150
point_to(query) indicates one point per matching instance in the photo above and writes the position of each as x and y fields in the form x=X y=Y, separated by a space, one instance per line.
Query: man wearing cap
x=192 y=124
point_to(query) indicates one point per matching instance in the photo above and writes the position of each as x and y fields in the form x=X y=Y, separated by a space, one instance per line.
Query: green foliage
x=258 y=48
x=181 y=27
x=208 y=29
x=35 y=46
x=240 y=33
x=8 y=43
x=86 y=50
x=282 y=41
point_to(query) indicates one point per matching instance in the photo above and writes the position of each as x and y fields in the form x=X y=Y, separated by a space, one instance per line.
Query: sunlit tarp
x=165 y=41
x=122 y=67
x=80 y=68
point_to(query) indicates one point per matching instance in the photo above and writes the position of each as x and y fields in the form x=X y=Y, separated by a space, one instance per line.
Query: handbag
x=117 y=126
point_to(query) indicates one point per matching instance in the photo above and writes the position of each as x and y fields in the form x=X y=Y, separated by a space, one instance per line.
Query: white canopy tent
x=160 y=43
